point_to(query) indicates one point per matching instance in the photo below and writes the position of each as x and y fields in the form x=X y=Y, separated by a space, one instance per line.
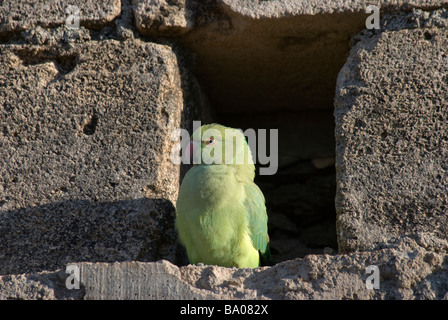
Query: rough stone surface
x=282 y=8
x=160 y=280
x=409 y=268
x=20 y=15
x=85 y=143
x=392 y=133
x=162 y=18
x=46 y=285
x=175 y=17
x=85 y=122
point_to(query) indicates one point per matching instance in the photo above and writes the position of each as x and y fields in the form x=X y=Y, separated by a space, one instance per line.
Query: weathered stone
x=162 y=18
x=85 y=124
x=46 y=285
x=392 y=133
x=160 y=280
x=85 y=147
x=409 y=268
x=26 y=14
x=283 y=8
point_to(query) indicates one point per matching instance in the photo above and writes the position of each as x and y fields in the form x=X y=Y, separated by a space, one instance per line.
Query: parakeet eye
x=210 y=141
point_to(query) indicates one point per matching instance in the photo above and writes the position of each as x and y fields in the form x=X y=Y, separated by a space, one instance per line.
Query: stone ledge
x=411 y=267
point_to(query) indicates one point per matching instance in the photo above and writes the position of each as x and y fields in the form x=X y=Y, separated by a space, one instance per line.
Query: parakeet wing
x=257 y=217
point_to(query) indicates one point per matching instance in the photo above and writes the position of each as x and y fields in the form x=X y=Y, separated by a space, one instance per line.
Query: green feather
x=258 y=219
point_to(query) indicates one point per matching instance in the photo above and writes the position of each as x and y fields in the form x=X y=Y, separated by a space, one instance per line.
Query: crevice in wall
x=281 y=74
x=65 y=63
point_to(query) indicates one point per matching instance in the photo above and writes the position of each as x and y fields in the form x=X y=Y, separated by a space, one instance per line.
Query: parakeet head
x=215 y=144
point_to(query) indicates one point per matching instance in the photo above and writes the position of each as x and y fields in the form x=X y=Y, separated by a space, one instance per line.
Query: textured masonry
x=391 y=110
x=86 y=117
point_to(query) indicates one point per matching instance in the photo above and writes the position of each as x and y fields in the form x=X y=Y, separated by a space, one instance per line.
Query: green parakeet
x=221 y=214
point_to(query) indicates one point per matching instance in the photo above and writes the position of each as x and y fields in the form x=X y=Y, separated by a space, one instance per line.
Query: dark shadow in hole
x=10 y=36
x=90 y=127
x=47 y=237
x=302 y=217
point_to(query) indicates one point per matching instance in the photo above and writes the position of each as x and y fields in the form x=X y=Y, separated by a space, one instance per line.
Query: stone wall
x=86 y=116
x=391 y=132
